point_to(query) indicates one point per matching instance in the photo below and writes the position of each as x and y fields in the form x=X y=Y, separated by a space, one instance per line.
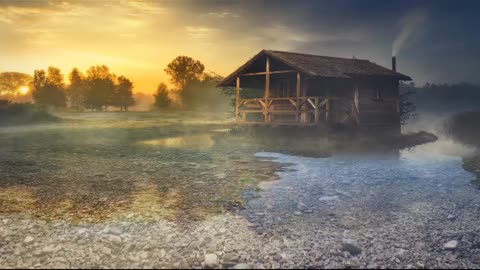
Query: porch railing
x=306 y=111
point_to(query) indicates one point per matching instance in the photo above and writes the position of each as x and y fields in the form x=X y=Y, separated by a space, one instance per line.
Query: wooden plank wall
x=382 y=112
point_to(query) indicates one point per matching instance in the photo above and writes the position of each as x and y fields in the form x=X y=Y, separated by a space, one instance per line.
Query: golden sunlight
x=23 y=90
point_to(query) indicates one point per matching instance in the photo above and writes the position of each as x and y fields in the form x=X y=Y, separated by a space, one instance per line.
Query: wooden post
x=298 y=96
x=327 y=110
x=317 y=110
x=355 y=97
x=267 y=90
x=356 y=106
x=237 y=100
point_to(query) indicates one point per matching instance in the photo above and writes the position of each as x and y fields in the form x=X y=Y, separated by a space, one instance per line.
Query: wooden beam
x=312 y=103
x=271 y=72
x=317 y=110
x=237 y=100
x=267 y=78
x=267 y=89
x=298 y=97
x=322 y=103
x=327 y=111
x=355 y=114
x=355 y=97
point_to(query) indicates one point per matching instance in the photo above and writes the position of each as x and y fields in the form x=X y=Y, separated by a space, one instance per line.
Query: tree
x=77 y=89
x=184 y=69
x=162 y=100
x=407 y=107
x=123 y=94
x=100 y=90
x=10 y=82
x=203 y=94
x=48 y=88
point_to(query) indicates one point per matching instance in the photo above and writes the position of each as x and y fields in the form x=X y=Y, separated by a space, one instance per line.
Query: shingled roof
x=321 y=66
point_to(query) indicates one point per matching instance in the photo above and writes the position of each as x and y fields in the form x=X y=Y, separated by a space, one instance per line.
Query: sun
x=23 y=90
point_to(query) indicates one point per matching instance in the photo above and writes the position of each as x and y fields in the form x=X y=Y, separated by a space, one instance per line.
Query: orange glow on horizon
x=137 y=39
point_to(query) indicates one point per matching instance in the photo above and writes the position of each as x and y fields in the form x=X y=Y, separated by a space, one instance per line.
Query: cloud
x=223 y=14
x=200 y=31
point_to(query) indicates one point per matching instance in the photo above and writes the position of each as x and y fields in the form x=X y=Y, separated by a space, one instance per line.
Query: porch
x=296 y=111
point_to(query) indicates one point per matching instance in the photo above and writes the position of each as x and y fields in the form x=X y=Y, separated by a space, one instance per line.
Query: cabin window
x=378 y=94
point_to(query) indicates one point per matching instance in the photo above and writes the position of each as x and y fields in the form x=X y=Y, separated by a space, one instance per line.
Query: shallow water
x=185 y=141
x=412 y=176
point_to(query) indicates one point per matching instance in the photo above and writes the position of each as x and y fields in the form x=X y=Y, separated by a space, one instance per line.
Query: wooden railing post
x=297 y=115
x=237 y=100
x=267 y=91
x=327 y=111
x=317 y=110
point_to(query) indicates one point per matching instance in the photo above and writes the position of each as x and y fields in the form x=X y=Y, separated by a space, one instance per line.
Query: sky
x=435 y=41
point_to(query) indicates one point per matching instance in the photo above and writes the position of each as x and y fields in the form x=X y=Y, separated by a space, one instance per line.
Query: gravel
x=370 y=223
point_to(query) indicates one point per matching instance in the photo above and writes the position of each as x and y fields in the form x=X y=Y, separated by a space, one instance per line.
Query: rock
x=162 y=253
x=351 y=246
x=115 y=231
x=400 y=253
x=221 y=175
x=301 y=206
x=28 y=240
x=328 y=198
x=97 y=247
x=211 y=260
x=82 y=231
x=242 y=266
x=420 y=265
x=420 y=245
x=48 y=249
x=133 y=259
x=452 y=245
x=451 y=217
x=117 y=240
x=207 y=240
x=106 y=251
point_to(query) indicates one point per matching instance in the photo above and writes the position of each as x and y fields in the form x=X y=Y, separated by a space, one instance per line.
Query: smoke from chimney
x=410 y=25
x=394 y=63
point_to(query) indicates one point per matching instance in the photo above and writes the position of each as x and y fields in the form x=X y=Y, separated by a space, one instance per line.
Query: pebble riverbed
x=412 y=210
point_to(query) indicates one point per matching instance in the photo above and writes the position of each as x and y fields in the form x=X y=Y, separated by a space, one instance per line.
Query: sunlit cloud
x=139 y=38
x=200 y=31
x=223 y=14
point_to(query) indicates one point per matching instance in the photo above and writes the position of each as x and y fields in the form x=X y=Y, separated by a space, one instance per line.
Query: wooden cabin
x=286 y=88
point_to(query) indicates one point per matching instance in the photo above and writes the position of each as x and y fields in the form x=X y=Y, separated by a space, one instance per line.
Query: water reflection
x=186 y=141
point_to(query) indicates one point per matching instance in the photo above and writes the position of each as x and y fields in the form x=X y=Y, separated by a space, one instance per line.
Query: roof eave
x=225 y=82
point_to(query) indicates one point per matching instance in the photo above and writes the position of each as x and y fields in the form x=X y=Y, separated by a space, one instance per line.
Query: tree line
x=191 y=88
x=95 y=90
x=443 y=98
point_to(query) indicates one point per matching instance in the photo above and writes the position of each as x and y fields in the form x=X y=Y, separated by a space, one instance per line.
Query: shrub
x=23 y=113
